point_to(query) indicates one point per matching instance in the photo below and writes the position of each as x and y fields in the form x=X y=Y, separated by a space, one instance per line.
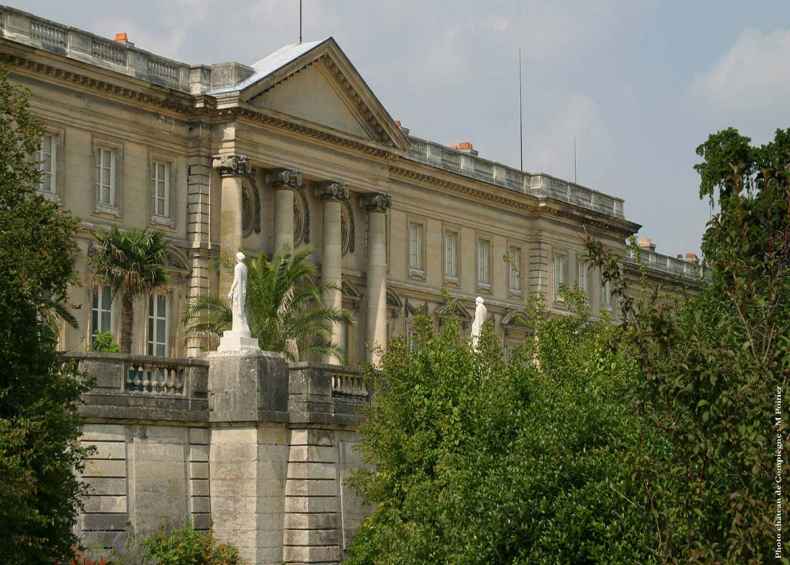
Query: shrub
x=103 y=342
x=187 y=546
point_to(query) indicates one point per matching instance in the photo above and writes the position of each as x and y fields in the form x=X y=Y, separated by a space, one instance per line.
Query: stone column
x=377 y=205
x=332 y=194
x=232 y=169
x=283 y=182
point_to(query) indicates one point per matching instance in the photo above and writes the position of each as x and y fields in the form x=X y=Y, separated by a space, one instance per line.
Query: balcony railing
x=666 y=264
x=74 y=43
x=539 y=185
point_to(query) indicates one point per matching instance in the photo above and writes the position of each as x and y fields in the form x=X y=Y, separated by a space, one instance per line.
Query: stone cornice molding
x=285 y=178
x=168 y=99
x=331 y=190
x=231 y=165
x=378 y=202
x=520 y=201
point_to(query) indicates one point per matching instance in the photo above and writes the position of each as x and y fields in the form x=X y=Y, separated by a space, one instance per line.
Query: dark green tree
x=715 y=366
x=132 y=263
x=39 y=425
x=482 y=460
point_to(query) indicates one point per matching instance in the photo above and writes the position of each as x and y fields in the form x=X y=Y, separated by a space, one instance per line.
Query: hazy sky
x=638 y=83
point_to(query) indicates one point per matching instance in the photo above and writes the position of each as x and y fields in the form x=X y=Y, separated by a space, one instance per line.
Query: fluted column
x=283 y=182
x=332 y=194
x=232 y=169
x=377 y=205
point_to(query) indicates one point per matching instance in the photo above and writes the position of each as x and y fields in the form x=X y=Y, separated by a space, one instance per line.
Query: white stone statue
x=239 y=337
x=238 y=297
x=481 y=313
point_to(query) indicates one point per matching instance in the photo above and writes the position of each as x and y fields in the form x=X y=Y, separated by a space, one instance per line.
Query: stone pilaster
x=377 y=205
x=539 y=269
x=332 y=194
x=232 y=170
x=198 y=226
x=283 y=182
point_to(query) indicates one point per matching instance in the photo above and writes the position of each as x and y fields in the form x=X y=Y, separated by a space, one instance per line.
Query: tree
x=132 y=264
x=39 y=424
x=715 y=366
x=476 y=459
x=284 y=307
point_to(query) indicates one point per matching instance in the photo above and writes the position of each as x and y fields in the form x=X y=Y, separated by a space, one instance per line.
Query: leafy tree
x=714 y=365
x=39 y=425
x=284 y=307
x=187 y=546
x=132 y=264
x=481 y=460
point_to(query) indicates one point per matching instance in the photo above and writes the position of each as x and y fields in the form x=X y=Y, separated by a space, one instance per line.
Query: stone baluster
x=333 y=194
x=377 y=205
x=232 y=169
x=283 y=182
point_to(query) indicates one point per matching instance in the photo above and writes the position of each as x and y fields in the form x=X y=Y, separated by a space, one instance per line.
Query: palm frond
x=207 y=316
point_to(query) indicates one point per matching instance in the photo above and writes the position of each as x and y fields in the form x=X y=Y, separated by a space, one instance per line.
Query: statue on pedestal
x=239 y=337
x=481 y=313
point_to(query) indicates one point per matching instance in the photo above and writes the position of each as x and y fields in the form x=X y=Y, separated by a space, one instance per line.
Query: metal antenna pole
x=574 y=159
x=520 y=115
x=300 y=22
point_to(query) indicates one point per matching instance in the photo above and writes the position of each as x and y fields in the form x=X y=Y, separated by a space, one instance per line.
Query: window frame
x=564 y=257
x=98 y=298
x=57 y=163
x=116 y=148
x=416 y=272
x=151 y=341
x=484 y=285
x=169 y=161
x=519 y=252
x=449 y=232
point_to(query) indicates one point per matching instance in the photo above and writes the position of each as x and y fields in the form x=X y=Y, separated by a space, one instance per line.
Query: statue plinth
x=239 y=341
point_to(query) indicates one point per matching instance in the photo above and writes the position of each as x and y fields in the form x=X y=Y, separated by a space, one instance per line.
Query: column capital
x=231 y=165
x=376 y=201
x=284 y=178
x=331 y=190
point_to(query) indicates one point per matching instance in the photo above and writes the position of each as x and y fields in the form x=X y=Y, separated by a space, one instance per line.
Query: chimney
x=647 y=243
x=692 y=258
x=122 y=37
x=465 y=147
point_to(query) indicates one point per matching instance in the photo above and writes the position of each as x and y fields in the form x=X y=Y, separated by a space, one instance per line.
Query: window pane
x=106 y=321
x=160 y=330
x=161 y=304
x=160 y=350
x=94 y=322
x=106 y=297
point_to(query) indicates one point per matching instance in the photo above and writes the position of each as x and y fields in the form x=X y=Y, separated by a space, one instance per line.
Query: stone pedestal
x=248 y=414
x=241 y=342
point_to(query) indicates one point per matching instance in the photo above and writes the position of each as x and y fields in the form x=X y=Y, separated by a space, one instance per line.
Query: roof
x=272 y=63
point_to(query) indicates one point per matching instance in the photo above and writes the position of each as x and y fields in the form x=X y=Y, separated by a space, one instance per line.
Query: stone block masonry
x=254 y=449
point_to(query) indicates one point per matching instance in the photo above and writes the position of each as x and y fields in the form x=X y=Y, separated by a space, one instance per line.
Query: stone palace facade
x=293 y=150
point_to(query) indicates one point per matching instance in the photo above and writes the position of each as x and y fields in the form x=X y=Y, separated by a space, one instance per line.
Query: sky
x=639 y=84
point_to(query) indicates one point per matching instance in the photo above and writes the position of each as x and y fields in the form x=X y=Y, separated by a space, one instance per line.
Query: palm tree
x=284 y=307
x=132 y=264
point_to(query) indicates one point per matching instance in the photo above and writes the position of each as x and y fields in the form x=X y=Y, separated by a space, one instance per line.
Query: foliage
x=187 y=546
x=482 y=460
x=39 y=425
x=713 y=365
x=104 y=342
x=283 y=303
x=132 y=264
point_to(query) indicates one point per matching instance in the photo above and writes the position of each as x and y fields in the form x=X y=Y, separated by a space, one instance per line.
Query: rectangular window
x=101 y=311
x=105 y=177
x=483 y=262
x=582 y=277
x=415 y=246
x=160 y=180
x=157 y=325
x=560 y=274
x=514 y=267
x=451 y=255
x=606 y=295
x=47 y=163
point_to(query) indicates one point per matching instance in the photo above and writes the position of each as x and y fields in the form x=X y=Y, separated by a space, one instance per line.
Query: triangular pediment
x=317 y=84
